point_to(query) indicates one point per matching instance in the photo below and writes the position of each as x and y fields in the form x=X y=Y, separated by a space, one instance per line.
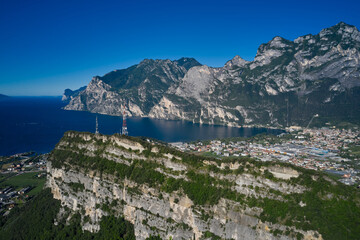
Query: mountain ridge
x=286 y=84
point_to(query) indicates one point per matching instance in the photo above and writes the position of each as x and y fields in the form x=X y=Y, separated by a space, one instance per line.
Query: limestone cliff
x=173 y=194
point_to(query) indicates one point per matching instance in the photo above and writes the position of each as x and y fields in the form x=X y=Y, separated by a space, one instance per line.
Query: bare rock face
x=153 y=210
x=237 y=61
x=196 y=82
x=97 y=98
x=283 y=172
x=166 y=109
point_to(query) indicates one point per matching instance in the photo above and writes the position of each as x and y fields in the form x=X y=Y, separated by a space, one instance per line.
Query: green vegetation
x=134 y=172
x=76 y=187
x=210 y=235
x=35 y=220
x=203 y=189
x=24 y=180
x=352 y=153
x=3 y=177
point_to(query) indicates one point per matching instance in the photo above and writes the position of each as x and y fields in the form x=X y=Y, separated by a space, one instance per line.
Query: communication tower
x=124 y=126
x=97 y=126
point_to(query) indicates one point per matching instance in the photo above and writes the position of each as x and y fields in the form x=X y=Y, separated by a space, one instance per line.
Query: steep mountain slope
x=162 y=191
x=287 y=83
x=140 y=87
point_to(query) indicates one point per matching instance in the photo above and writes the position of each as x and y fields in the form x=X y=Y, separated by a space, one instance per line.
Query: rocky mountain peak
x=151 y=63
x=308 y=37
x=343 y=27
x=271 y=50
x=278 y=42
x=236 y=61
x=187 y=63
x=340 y=32
x=146 y=61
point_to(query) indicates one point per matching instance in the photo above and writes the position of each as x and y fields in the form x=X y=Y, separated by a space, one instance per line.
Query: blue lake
x=38 y=123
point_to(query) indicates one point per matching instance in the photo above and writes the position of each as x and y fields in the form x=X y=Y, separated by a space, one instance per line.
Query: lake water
x=38 y=123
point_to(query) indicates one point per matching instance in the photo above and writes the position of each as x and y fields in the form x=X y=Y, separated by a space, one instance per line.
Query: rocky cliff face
x=168 y=193
x=287 y=83
x=140 y=87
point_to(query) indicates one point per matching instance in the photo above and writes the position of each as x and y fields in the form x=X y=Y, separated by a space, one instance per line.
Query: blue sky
x=49 y=45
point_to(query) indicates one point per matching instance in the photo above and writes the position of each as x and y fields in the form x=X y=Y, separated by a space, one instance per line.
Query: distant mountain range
x=286 y=84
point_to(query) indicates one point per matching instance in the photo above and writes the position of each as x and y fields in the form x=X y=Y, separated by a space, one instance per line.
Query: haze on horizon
x=49 y=46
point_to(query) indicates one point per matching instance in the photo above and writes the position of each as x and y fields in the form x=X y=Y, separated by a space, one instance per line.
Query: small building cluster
x=14 y=167
x=9 y=196
x=19 y=163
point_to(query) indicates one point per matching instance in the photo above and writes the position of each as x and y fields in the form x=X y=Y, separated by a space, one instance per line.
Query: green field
x=3 y=177
x=209 y=154
x=334 y=175
x=25 y=180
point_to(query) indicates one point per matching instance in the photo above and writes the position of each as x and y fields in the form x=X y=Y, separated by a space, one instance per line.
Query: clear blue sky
x=49 y=45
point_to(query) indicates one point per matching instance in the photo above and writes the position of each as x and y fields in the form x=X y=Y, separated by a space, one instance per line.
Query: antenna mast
x=124 y=126
x=97 y=126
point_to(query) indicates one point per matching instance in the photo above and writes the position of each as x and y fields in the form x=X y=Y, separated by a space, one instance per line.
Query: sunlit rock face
x=94 y=192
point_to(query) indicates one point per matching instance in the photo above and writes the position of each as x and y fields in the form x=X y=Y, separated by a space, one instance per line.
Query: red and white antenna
x=124 y=126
